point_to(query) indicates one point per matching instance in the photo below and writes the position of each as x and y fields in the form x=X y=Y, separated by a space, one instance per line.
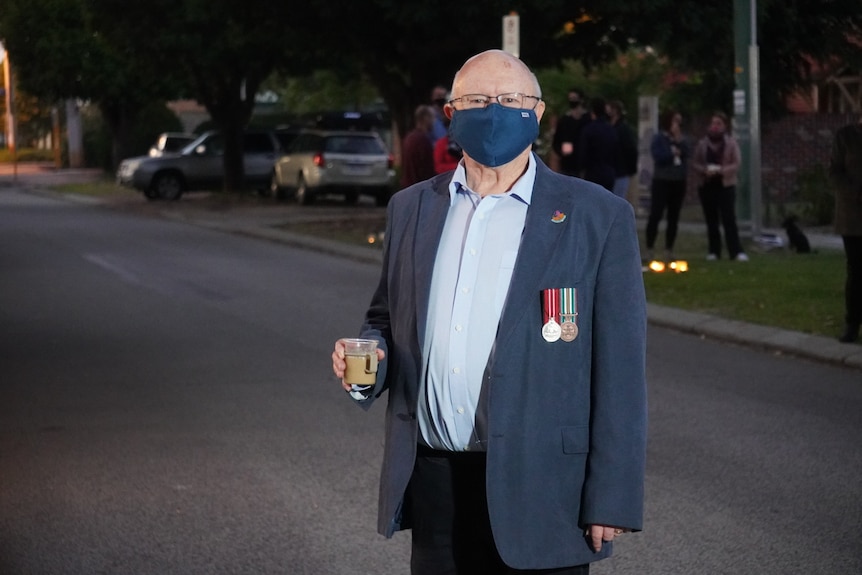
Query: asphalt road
x=166 y=406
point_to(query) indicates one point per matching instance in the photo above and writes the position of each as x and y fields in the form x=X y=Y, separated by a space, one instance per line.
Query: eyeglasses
x=513 y=100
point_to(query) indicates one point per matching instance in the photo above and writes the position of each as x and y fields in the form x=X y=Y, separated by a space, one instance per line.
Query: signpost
x=512 y=34
x=746 y=112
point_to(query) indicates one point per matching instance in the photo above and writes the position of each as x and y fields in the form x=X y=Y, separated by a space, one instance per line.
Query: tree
x=407 y=46
x=63 y=50
x=228 y=49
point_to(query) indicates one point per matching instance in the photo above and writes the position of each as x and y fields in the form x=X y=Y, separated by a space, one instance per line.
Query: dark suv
x=200 y=166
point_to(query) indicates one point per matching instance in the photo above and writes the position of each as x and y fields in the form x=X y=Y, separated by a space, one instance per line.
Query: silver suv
x=199 y=166
x=343 y=162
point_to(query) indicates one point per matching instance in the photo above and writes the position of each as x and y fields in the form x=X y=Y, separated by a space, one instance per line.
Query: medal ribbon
x=550 y=305
x=569 y=303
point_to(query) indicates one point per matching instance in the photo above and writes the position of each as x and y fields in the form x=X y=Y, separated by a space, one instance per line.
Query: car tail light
x=391 y=162
x=319 y=160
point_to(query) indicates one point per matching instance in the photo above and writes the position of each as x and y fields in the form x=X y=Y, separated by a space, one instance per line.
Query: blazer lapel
x=433 y=209
x=535 y=256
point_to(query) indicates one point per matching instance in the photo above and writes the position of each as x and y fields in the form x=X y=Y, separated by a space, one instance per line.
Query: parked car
x=327 y=161
x=200 y=166
x=171 y=142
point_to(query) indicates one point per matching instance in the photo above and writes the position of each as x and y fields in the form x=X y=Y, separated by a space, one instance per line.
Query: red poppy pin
x=558 y=217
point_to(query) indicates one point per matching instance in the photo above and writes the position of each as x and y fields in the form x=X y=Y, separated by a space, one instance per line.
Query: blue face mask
x=494 y=135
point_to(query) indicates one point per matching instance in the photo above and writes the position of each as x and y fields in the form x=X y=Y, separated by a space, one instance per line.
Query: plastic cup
x=361 y=358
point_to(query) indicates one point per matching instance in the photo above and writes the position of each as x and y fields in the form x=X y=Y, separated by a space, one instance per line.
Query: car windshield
x=213 y=144
x=189 y=148
x=285 y=139
x=353 y=145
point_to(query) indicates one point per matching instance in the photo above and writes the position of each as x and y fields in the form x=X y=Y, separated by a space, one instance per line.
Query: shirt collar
x=521 y=189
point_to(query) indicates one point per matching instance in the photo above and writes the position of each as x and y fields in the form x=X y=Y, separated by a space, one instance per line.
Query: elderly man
x=511 y=321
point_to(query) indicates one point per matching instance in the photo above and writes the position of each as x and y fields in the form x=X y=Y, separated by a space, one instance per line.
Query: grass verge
x=799 y=292
x=97 y=188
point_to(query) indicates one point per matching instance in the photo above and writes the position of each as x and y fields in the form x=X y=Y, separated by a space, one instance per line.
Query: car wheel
x=168 y=185
x=304 y=195
x=351 y=197
x=275 y=190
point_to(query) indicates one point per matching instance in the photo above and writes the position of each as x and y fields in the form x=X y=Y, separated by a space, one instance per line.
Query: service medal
x=568 y=314
x=551 y=330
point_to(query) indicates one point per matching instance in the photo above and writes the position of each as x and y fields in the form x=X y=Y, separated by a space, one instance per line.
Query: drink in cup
x=361 y=358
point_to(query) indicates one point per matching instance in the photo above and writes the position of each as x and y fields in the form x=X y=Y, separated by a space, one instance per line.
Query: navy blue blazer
x=566 y=420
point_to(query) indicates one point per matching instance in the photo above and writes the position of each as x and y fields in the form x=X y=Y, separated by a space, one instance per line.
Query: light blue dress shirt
x=472 y=272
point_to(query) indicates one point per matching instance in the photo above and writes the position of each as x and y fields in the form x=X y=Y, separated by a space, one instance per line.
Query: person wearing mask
x=670 y=154
x=716 y=164
x=447 y=153
x=845 y=171
x=567 y=133
x=439 y=96
x=598 y=147
x=417 y=153
x=627 y=151
x=515 y=430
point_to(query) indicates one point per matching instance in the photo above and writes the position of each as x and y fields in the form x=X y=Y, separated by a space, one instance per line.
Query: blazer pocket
x=576 y=439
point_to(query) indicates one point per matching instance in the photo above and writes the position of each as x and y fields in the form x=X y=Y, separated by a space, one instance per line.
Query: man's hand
x=339 y=364
x=599 y=533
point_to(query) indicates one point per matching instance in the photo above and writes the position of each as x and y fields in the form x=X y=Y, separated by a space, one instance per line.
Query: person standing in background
x=716 y=163
x=417 y=152
x=439 y=96
x=670 y=154
x=845 y=171
x=567 y=133
x=447 y=153
x=627 y=152
x=598 y=147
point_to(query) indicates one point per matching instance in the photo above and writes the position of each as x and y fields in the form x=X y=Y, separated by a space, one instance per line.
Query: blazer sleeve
x=614 y=484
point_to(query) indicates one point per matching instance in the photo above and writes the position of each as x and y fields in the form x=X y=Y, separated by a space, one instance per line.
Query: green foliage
x=323 y=90
x=26 y=155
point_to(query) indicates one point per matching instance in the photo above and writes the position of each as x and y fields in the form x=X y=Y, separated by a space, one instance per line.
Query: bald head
x=494 y=72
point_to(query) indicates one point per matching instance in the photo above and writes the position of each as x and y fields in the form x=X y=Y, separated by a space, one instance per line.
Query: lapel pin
x=558 y=217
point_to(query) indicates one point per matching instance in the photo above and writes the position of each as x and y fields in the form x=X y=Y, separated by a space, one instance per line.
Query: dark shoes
x=851 y=333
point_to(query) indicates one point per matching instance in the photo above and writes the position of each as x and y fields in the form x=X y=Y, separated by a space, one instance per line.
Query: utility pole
x=746 y=112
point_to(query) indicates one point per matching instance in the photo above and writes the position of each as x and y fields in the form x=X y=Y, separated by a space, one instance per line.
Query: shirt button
x=472 y=251
x=458 y=327
x=456 y=370
x=465 y=290
x=461 y=410
x=467 y=448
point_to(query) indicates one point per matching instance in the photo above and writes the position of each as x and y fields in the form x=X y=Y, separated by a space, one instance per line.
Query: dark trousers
x=719 y=205
x=853 y=284
x=451 y=530
x=664 y=195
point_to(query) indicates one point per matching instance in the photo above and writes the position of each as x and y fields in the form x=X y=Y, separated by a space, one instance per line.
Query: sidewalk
x=262 y=221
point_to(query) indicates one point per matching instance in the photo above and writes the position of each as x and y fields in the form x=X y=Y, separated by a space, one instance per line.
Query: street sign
x=512 y=34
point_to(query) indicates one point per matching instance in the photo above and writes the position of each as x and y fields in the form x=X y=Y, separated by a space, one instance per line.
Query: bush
x=26 y=155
